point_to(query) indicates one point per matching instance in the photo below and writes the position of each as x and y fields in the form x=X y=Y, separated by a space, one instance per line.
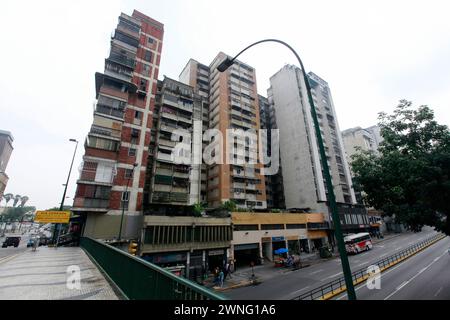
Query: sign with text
x=52 y=216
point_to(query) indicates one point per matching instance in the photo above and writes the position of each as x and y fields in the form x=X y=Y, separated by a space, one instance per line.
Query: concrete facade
x=6 y=148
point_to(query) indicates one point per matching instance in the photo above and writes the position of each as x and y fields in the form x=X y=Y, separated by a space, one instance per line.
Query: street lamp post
x=331 y=198
x=123 y=202
x=57 y=226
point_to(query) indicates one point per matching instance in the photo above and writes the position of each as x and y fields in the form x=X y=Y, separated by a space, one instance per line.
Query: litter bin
x=324 y=252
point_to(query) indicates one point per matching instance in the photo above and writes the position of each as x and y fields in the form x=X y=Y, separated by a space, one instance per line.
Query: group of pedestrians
x=220 y=274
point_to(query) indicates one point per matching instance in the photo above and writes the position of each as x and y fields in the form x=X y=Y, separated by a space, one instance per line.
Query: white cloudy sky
x=372 y=53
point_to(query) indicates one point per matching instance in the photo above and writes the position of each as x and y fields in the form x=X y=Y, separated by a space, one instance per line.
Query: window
x=148 y=56
x=146 y=70
x=143 y=85
x=272 y=226
x=245 y=227
x=125 y=199
x=150 y=40
x=137 y=115
x=128 y=173
x=132 y=152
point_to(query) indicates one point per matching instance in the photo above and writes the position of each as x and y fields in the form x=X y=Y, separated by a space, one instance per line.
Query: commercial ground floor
x=190 y=264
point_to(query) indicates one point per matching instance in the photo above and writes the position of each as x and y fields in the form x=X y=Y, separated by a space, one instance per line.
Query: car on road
x=11 y=241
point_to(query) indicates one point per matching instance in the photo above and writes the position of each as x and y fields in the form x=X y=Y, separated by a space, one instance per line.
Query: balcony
x=107 y=132
x=109 y=111
x=90 y=204
x=116 y=70
x=164 y=157
x=122 y=59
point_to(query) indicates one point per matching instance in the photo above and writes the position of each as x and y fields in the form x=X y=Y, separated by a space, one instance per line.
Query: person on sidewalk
x=221 y=278
x=229 y=271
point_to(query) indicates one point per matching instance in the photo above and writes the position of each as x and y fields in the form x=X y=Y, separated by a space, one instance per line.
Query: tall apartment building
x=234 y=173
x=358 y=137
x=120 y=133
x=196 y=75
x=172 y=179
x=6 y=148
x=172 y=235
x=303 y=179
x=274 y=182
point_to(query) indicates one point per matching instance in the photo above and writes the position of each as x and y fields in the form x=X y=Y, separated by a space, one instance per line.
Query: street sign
x=52 y=216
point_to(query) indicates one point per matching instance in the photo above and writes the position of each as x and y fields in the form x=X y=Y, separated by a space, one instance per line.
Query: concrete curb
x=244 y=283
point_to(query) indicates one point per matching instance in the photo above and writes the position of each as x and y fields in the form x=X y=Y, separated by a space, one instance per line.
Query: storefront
x=216 y=259
x=176 y=261
x=245 y=254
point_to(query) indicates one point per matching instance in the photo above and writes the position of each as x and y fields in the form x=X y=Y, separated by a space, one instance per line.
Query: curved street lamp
x=61 y=207
x=223 y=66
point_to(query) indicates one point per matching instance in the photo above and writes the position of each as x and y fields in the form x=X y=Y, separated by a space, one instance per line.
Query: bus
x=357 y=243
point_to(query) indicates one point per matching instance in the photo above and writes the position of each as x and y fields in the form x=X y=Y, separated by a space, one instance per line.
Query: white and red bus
x=357 y=243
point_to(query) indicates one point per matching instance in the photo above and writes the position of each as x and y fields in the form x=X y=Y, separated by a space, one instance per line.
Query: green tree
x=16 y=213
x=198 y=209
x=409 y=178
x=229 y=205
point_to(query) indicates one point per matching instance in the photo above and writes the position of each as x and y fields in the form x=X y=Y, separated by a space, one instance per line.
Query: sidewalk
x=42 y=275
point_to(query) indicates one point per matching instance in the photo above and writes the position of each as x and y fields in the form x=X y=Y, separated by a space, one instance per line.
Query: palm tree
x=23 y=200
x=8 y=197
x=16 y=199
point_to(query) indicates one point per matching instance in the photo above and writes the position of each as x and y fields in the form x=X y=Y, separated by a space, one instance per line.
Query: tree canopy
x=409 y=177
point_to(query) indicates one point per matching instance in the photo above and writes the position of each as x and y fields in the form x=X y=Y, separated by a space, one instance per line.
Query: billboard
x=52 y=216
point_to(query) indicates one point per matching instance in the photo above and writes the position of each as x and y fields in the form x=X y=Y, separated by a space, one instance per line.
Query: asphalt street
x=10 y=251
x=424 y=276
x=291 y=284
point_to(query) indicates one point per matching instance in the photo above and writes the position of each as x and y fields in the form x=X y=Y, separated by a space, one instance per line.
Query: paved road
x=10 y=251
x=291 y=284
x=424 y=276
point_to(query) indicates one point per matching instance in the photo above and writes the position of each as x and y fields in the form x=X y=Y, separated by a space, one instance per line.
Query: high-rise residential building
x=173 y=177
x=359 y=138
x=112 y=174
x=173 y=235
x=196 y=75
x=234 y=173
x=6 y=148
x=303 y=180
x=274 y=182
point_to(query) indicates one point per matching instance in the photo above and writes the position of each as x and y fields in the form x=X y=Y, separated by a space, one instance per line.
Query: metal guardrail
x=339 y=284
x=141 y=280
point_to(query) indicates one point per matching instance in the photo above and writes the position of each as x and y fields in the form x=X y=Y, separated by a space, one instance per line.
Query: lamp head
x=225 y=64
x=73 y=140
x=135 y=165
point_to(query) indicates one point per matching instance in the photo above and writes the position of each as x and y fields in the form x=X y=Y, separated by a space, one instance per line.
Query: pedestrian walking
x=221 y=278
x=229 y=269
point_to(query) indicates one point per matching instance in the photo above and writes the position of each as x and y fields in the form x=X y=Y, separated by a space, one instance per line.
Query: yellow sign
x=52 y=216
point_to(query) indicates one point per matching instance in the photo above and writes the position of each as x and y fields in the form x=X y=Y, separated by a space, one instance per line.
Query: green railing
x=138 y=279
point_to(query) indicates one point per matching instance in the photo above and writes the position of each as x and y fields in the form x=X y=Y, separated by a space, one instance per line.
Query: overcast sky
x=372 y=54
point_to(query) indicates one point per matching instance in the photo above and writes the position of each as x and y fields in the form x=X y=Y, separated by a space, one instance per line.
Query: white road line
x=296 y=291
x=320 y=270
x=361 y=264
x=439 y=291
x=334 y=275
x=383 y=255
x=419 y=273
x=397 y=248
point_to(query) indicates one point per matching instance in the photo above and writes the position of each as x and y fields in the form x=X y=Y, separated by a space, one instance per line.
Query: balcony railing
x=122 y=59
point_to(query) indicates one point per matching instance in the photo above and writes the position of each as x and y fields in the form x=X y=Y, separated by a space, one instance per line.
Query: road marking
x=334 y=275
x=397 y=248
x=361 y=264
x=364 y=284
x=408 y=281
x=296 y=291
x=439 y=291
x=385 y=254
x=320 y=270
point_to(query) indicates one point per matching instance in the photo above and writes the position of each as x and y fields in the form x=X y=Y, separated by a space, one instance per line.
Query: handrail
x=339 y=284
x=139 y=270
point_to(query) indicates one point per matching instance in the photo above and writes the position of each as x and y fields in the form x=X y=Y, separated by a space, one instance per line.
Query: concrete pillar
x=188 y=263
x=261 y=252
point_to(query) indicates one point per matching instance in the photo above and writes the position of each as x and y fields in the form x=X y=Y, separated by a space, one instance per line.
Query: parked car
x=11 y=241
